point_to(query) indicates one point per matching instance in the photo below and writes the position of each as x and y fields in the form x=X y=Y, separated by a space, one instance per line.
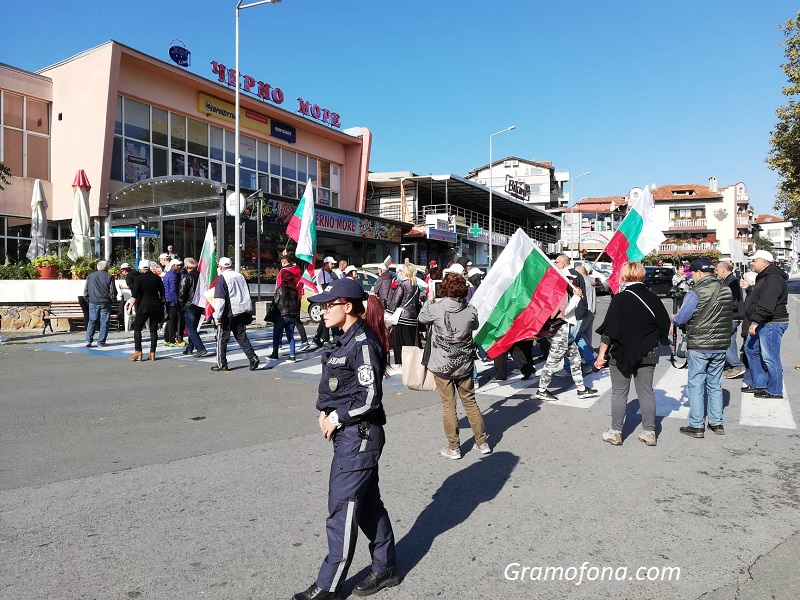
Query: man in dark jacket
x=100 y=291
x=736 y=367
x=769 y=319
x=191 y=312
x=172 y=282
x=708 y=315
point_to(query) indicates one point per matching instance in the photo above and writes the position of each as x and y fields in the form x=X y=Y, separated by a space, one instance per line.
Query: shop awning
x=165 y=190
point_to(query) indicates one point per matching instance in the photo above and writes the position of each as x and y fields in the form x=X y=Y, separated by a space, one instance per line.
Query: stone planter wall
x=27 y=316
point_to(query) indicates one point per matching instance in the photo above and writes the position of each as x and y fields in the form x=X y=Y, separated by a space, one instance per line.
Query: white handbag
x=391 y=319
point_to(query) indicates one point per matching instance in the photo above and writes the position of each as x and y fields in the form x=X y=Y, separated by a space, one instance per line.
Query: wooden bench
x=73 y=312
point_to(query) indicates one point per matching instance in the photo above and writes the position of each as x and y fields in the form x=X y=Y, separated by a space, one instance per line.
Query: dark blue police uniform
x=351 y=385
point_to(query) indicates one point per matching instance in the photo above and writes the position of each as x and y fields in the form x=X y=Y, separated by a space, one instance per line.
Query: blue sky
x=634 y=92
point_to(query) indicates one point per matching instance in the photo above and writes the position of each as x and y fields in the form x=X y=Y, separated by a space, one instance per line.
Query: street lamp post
x=491 y=183
x=580 y=220
x=237 y=234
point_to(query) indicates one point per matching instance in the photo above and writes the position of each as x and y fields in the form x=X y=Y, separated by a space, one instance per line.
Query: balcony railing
x=742 y=222
x=700 y=223
x=705 y=246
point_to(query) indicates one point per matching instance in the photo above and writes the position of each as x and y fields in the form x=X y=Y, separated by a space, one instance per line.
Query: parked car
x=598 y=276
x=366 y=279
x=659 y=279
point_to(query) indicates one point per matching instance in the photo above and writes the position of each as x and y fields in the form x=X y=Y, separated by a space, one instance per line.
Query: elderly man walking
x=733 y=360
x=769 y=319
x=232 y=314
x=708 y=315
x=101 y=292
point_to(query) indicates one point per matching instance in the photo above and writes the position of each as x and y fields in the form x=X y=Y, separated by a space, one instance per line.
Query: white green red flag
x=388 y=262
x=207 y=267
x=521 y=291
x=302 y=229
x=637 y=236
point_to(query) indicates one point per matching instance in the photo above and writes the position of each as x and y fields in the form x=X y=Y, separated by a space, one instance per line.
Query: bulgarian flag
x=207 y=267
x=388 y=262
x=638 y=234
x=302 y=229
x=522 y=290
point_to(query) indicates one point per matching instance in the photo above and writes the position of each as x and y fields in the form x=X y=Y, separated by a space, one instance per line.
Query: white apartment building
x=783 y=236
x=532 y=182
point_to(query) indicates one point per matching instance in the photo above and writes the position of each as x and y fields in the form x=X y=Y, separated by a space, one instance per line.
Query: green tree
x=764 y=244
x=5 y=173
x=784 y=156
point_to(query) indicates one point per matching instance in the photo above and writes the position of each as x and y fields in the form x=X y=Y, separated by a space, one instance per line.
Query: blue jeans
x=732 y=358
x=103 y=313
x=763 y=351
x=191 y=317
x=705 y=383
x=577 y=334
x=283 y=324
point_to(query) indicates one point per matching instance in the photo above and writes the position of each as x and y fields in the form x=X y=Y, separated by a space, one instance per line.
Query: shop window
x=178 y=164
x=118 y=117
x=216 y=172
x=323 y=197
x=324 y=174
x=198 y=138
x=230 y=174
x=12 y=110
x=160 y=127
x=137 y=161
x=12 y=150
x=335 y=199
x=247 y=152
x=178 y=132
x=136 y=120
x=216 y=143
x=247 y=179
x=302 y=170
x=275 y=161
x=116 y=159
x=38 y=157
x=160 y=162
x=263 y=157
x=290 y=188
x=36 y=118
x=263 y=182
x=288 y=164
x=198 y=167
x=275 y=186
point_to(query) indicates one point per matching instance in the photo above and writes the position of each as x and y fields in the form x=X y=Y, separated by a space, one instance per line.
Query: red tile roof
x=700 y=192
x=600 y=204
x=769 y=219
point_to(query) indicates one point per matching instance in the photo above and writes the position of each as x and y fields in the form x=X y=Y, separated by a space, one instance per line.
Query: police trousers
x=354 y=502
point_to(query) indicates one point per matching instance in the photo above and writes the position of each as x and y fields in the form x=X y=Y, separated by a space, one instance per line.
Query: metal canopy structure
x=164 y=190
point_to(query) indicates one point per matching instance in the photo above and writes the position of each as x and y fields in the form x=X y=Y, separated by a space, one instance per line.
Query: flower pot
x=47 y=272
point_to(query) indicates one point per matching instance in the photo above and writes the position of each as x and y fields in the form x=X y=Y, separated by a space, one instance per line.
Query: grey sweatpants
x=621 y=385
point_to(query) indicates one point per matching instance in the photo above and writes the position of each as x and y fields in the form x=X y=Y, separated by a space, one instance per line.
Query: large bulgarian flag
x=522 y=290
x=302 y=229
x=637 y=236
x=207 y=267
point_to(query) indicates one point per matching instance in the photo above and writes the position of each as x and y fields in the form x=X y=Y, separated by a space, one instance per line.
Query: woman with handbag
x=405 y=297
x=452 y=322
x=287 y=302
x=147 y=295
x=635 y=324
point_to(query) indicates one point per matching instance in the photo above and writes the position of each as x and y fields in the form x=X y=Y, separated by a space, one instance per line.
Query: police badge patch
x=365 y=375
x=333 y=383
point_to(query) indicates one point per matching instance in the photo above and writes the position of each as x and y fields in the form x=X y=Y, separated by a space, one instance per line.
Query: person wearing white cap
x=769 y=319
x=232 y=314
x=163 y=260
x=147 y=295
x=351 y=272
x=173 y=332
x=325 y=276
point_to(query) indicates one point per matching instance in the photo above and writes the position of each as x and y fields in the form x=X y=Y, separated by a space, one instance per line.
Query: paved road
x=165 y=480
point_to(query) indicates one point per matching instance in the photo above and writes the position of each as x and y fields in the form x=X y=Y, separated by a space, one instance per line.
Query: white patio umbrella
x=80 y=245
x=38 y=245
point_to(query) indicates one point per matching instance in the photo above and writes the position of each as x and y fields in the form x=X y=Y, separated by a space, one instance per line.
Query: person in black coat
x=635 y=324
x=148 y=297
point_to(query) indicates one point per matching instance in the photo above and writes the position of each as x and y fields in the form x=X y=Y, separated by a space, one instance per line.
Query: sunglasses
x=327 y=306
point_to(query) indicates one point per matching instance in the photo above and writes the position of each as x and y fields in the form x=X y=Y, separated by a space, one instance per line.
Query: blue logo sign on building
x=180 y=55
x=282 y=131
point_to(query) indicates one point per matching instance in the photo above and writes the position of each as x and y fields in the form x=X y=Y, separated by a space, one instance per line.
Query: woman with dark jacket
x=635 y=324
x=287 y=300
x=405 y=296
x=147 y=295
x=452 y=323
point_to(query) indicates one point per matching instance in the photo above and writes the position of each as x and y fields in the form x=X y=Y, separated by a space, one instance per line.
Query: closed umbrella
x=38 y=245
x=80 y=245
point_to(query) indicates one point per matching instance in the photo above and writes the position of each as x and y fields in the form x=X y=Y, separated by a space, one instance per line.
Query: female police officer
x=351 y=414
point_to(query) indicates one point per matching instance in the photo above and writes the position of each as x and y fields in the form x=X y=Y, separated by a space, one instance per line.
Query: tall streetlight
x=237 y=233
x=580 y=220
x=491 y=183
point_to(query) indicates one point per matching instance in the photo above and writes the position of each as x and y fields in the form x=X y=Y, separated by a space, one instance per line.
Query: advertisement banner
x=224 y=111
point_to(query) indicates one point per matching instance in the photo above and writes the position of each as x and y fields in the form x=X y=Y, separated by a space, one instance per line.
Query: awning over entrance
x=165 y=190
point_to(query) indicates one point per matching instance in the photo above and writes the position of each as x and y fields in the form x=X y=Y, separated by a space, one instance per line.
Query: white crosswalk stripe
x=767 y=412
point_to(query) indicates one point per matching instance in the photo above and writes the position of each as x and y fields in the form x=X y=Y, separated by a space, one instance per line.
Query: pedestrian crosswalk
x=669 y=386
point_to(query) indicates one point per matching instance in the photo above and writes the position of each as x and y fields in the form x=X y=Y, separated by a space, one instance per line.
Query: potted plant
x=82 y=267
x=47 y=266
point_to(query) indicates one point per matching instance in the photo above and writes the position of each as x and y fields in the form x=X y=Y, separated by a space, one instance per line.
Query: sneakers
x=545 y=395
x=291 y=359
x=179 y=343
x=305 y=347
x=648 y=437
x=222 y=368
x=695 y=432
x=587 y=392
x=200 y=353
x=254 y=364
x=734 y=373
x=613 y=437
x=170 y=344
x=101 y=344
x=374 y=583
x=484 y=448
x=451 y=453
x=317 y=342
x=717 y=429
